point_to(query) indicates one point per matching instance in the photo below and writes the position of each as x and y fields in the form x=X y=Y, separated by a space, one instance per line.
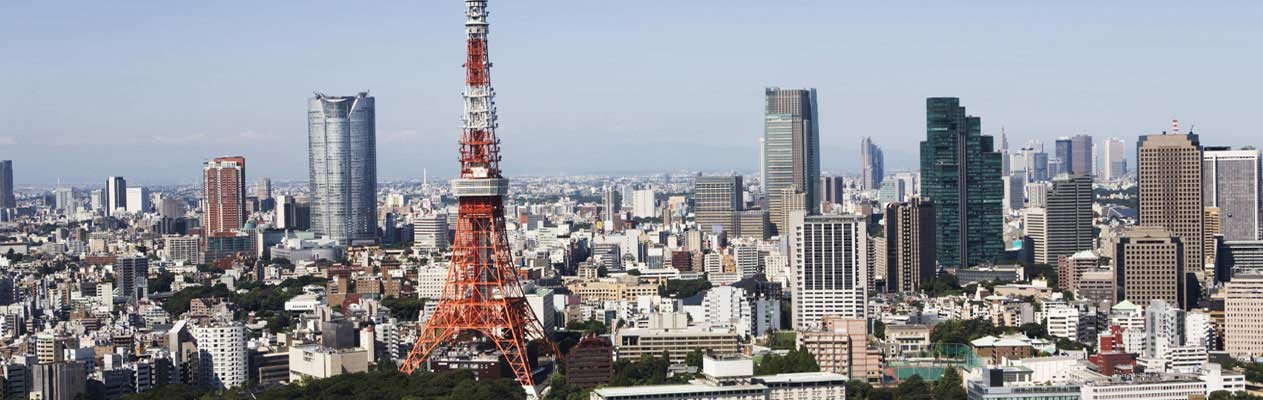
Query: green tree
x=798 y=360
x=879 y=329
x=913 y=388
x=694 y=358
x=950 y=386
x=591 y=326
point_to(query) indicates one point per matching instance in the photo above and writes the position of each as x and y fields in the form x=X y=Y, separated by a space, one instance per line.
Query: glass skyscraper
x=960 y=174
x=7 y=199
x=343 y=158
x=791 y=151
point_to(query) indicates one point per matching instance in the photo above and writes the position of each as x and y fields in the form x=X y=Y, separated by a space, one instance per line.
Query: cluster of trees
x=382 y=383
x=949 y=387
x=404 y=309
x=787 y=340
x=683 y=288
x=942 y=285
x=265 y=301
x=1253 y=371
x=965 y=331
x=589 y=326
x=799 y=360
x=1226 y=395
x=648 y=370
x=162 y=282
x=560 y=390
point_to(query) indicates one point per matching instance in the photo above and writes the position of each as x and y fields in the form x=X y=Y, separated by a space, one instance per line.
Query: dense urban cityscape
x=1092 y=268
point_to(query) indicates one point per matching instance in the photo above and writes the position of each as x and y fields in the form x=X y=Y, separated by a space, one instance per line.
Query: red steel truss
x=482 y=298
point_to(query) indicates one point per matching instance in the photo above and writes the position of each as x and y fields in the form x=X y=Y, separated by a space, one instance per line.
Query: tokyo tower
x=482 y=296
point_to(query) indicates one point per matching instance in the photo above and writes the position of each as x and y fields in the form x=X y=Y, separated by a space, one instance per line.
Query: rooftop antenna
x=1175 y=126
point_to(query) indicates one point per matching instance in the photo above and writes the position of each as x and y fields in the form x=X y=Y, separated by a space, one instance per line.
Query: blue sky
x=150 y=89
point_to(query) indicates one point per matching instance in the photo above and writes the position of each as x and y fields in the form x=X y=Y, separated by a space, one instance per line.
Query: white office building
x=828 y=264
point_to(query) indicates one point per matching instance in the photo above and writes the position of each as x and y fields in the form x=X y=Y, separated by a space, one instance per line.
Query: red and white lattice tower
x=482 y=299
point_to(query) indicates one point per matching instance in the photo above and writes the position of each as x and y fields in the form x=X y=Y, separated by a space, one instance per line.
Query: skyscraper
x=1231 y=182
x=832 y=190
x=1080 y=155
x=1069 y=217
x=1149 y=265
x=64 y=198
x=115 y=194
x=7 y=200
x=910 y=249
x=872 y=165
x=1063 y=157
x=263 y=188
x=224 y=185
x=716 y=200
x=960 y=173
x=1115 y=159
x=137 y=200
x=1169 y=178
x=829 y=262
x=791 y=149
x=343 y=158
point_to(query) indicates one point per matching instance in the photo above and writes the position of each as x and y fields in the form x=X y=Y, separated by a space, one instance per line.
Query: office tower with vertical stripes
x=960 y=173
x=1169 y=178
x=791 y=150
x=1231 y=180
x=716 y=202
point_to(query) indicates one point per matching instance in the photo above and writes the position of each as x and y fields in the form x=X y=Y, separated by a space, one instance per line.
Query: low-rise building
x=671 y=333
x=317 y=362
x=732 y=378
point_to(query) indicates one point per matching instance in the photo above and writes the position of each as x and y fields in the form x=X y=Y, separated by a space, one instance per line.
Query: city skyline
x=1036 y=94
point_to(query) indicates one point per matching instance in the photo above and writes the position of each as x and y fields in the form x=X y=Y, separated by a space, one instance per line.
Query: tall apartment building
x=1231 y=180
x=342 y=134
x=224 y=185
x=1169 y=178
x=909 y=245
x=222 y=354
x=829 y=261
x=960 y=173
x=791 y=149
x=133 y=276
x=872 y=165
x=1115 y=154
x=1149 y=265
x=7 y=200
x=716 y=201
x=183 y=248
x=1243 y=316
x=1069 y=217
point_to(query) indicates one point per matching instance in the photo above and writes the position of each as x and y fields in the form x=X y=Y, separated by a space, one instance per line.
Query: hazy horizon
x=150 y=90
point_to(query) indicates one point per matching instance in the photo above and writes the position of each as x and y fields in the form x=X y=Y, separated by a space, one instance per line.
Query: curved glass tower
x=342 y=149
